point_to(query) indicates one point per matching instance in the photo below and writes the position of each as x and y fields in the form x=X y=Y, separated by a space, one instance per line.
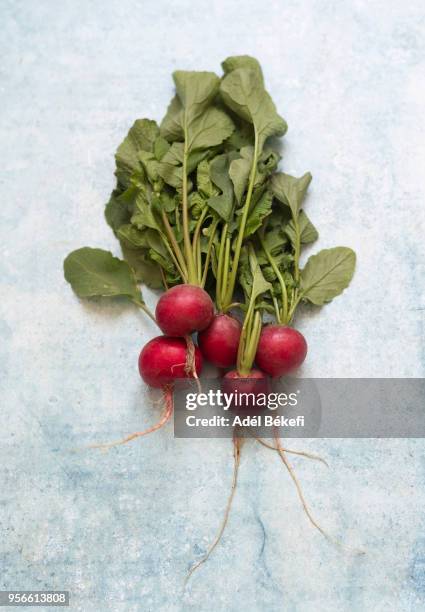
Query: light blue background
x=120 y=529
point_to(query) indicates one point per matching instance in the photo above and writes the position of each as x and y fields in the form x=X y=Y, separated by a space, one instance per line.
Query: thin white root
x=190 y=365
x=237 y=443
x=310 y=517
x=168 y=411
x=293 y=452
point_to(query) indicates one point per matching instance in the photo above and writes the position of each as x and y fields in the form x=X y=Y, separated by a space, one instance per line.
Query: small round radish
x=254 y=384
x=184 y=309
x=281 y=349
x=220 y=341
x=163 y=359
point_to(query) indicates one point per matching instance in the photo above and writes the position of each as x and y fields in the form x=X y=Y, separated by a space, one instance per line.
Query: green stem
x=233 y=305
x=232 y=279
x=297 y=251
x=174 y=258
x=190 y=260
x=207 y=260
x=276 y=307
x=243 y=339
x=254 y=337
x=297 y=248
x=296 y=301
x=281 y=318
x=219 y=279
x=145 y=309
x=164 y=280
x=224 y=274
x=177 y=251
x=198 y=229
x=198 y=262
x=196 y=244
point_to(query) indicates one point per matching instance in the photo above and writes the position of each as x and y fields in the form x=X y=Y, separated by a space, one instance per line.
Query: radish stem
x=281 y=317
x=145 y=309
x=177 y=250
x=207 y=260
x=241 y=229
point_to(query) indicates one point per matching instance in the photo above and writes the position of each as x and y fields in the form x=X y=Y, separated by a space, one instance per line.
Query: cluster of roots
x=276 y=446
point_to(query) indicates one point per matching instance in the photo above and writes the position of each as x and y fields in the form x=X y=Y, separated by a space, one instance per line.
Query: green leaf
x=308 y=233
x=251 y=276
x=170 y=168
x=143 y=215
x=160 y=148
x=242 y=136
x=150 y=164
x=117 y=212
x=209 y=129
x=196 y=91
x=164 y=201
x=243 y=61
x=166 y=264
x=259 y=283
x=145 y=271
x=171 y=126
x=190 y=115
x=95 y=272
x=132 y=236
x=258 y=213
x=243 y=92
x=196 y=204
x=219 y=173
x=327 y=274
x=290 y=190
x=239 y=171
x=203 y=180
x=141 y=137
x=267 y=164
x=275 y=240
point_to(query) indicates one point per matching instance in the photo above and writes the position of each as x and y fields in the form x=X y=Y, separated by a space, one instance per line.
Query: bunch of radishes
x=200 y=211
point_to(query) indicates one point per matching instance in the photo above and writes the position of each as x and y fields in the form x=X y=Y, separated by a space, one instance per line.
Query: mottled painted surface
x=120 y=529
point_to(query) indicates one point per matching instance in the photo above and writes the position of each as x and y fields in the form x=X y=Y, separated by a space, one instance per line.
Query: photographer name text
x=265 y=420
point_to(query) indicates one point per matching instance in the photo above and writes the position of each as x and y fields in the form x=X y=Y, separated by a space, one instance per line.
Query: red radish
x=184 y=309
x=164 y=359
x=255 y=383
x=280 y=349
x=161 y=361
x=220 y=341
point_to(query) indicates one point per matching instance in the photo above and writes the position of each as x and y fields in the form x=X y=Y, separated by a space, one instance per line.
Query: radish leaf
x=243 y=61
x=291 y=190
x=327 y=274
x=308 y=233
x=95 y=272
x=243 y=92
x=219 y=173
x=141 y=137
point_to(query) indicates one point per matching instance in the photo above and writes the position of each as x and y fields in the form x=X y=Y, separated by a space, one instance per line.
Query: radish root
x=310 y=517
x=190 y=365
x=237 y=444
x=166 y=415
x=293 y=452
